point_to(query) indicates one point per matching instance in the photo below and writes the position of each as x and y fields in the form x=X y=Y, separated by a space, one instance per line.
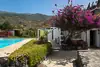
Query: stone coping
x=6 y=51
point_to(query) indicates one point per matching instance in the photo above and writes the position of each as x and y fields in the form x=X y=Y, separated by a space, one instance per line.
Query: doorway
x=92 y=38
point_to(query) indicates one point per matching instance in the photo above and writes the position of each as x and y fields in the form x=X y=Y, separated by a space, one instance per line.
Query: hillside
x=27 y=20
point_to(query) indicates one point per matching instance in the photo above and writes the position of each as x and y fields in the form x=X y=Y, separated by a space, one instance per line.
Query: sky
x=37 y=6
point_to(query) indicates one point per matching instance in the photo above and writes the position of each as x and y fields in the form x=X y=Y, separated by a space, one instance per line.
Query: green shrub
x=41 y=40
x=34 y=52
x=29 y=33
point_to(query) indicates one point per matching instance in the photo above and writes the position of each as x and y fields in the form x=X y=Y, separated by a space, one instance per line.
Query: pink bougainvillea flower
x=94 y=17
x=77 y=16
x=60 y=9
x=98 y=22
x=80 y=20
x=73 y=22
x=89 y=19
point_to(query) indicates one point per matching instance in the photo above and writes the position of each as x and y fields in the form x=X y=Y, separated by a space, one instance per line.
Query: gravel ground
x=60 y=59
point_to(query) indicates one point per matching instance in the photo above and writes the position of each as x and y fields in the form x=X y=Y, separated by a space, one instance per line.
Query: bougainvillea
x=73 y=18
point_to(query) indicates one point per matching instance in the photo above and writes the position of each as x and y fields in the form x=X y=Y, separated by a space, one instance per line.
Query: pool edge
x=6 y=51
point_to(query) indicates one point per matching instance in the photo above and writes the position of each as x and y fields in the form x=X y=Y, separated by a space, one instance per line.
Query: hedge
x=34 y=53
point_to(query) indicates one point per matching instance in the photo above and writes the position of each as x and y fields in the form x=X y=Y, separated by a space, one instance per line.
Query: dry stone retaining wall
x=89 y=58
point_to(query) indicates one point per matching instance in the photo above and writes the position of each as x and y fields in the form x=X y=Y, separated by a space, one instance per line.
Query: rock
x=4 y=62
x=41 y=65
x=72 y=60
x=90 y=58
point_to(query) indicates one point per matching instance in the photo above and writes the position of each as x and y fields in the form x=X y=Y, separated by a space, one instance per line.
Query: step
x=56 y=48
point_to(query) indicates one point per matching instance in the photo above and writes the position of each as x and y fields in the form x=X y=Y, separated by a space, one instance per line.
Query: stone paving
x=89 y=58
x=61 y=59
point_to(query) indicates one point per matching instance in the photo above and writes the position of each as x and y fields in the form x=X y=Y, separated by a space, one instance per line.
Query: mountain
x=35 y=20
x=24 y=16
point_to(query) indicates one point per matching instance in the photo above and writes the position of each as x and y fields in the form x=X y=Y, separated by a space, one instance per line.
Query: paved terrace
x=60 y=58
x=6 y=51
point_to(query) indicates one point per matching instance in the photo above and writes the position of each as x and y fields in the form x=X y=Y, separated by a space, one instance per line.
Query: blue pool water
x=8 y=41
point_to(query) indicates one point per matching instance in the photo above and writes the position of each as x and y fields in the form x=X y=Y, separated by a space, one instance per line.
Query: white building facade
x=54 y=35
x=92 y=37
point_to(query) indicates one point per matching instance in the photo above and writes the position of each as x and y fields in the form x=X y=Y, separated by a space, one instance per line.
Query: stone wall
x=18 y=62
x=4 y=62
x=89 y=58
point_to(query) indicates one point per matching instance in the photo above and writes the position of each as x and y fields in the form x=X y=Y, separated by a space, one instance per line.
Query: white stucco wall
x=88 y=37
x=50 y=36
x=56 y=33
x=83 y=36
x=97 y=39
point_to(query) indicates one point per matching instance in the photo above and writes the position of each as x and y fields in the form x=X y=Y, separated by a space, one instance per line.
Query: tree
x=75 y=19
x=89 y=6
x=6 y=26
x=98 y=3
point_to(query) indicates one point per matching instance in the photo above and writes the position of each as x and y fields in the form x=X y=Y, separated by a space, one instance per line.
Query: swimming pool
x=9 y=41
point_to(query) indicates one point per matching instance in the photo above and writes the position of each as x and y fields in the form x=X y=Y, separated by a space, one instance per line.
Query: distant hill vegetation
x=25 y=19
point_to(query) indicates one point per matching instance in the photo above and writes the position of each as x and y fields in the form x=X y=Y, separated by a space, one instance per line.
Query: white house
x=92 y=37
x=54 y=35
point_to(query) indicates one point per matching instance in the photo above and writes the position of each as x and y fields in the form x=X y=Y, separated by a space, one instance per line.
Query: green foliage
x=25 y=20
x=14 y=37
x=29 y=33
x=43 y=35
x=42 y=40
x=6 y=26
x=24 y=16
x=34 y=52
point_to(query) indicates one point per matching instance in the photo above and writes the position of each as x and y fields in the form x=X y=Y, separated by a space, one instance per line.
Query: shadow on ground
x=61 y=58
x=60 y=54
